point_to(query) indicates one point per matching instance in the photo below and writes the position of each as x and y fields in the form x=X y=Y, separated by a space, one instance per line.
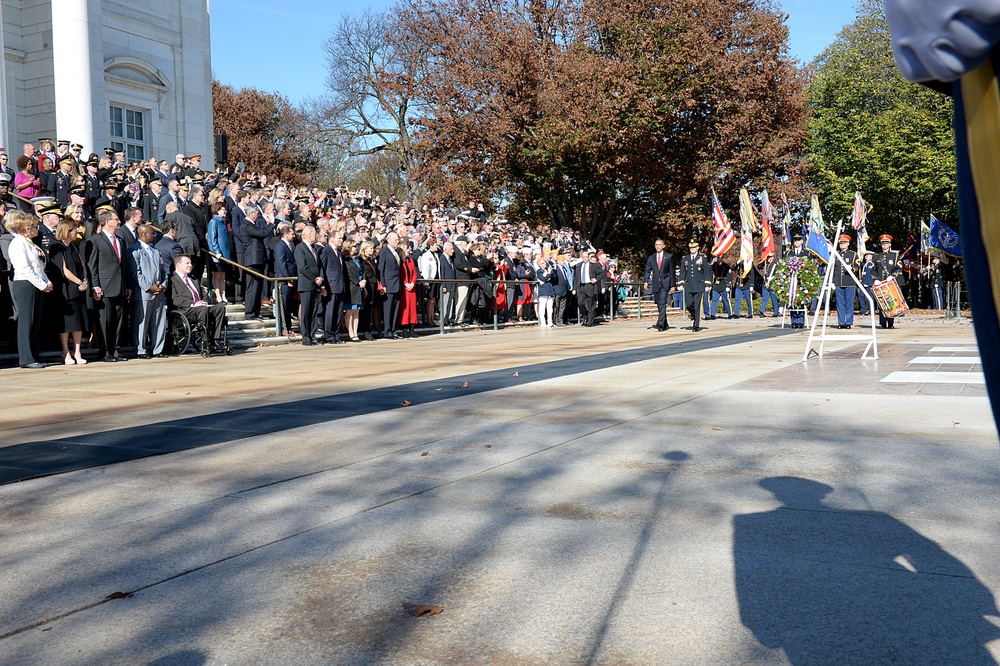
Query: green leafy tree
x=874 y=132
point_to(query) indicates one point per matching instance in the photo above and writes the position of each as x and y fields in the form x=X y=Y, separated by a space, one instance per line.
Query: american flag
x=724 y=238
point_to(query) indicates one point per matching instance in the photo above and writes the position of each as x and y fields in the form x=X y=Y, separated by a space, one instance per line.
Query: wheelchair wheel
x=178 y=334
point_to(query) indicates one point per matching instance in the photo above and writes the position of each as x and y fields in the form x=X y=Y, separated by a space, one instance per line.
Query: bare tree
x=370 y=92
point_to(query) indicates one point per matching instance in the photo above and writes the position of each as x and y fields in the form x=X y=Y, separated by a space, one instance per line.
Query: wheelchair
x=180 y=331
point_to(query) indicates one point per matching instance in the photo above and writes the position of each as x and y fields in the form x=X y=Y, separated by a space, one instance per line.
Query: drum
x=889 y=298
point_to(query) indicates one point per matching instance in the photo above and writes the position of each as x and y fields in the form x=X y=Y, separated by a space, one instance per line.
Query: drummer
x=886 y=264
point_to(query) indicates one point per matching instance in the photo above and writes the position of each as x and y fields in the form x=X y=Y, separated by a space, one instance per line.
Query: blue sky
x=278 y=47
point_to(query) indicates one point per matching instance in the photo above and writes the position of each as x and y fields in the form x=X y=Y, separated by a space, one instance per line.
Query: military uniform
x=798 y=316
x=845 y=289
x=722 y=280
x=886 y=264
x=935 y=280
x=695 y=276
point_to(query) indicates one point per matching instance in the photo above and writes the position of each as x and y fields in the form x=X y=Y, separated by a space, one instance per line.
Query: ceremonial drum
x=889 y=298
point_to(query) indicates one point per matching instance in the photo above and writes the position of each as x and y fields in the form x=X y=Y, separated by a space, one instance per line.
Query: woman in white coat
x=28 y=262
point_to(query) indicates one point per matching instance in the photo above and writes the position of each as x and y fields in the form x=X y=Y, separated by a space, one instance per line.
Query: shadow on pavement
x=42 y=458
x=855 y=587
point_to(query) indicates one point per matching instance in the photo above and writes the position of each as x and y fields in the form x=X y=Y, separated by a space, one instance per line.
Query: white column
x=4 y=133
x=71 y=66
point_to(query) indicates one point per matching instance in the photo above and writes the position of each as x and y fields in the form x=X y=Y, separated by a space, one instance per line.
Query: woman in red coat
x=408 y=304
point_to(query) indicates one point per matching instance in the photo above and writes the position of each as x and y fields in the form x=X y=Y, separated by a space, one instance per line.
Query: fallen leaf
x=425 y=453
x=420 y=610
x=780 y=361
x=405 y=403
x=489 y=446
x=119 y=595
x=188 y=393
x=152 y=391
x=515 y=374
x=464 y=385
x=716 y=428
x=955 y=423
x=47 y=629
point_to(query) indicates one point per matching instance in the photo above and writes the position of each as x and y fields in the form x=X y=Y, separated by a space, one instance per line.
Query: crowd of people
x=96 y=249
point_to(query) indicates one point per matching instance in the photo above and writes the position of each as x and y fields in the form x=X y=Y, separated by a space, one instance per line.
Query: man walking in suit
x=562 y=283
x=696 y=280
x=333 y=274
x=388 y=269
x=659 y=280
x=310 y=282
x=255 y=231
x=588 y=284
x=105 y=257
x=185 y=295
x=284 y=267
x=447 y=288
x=149 y=294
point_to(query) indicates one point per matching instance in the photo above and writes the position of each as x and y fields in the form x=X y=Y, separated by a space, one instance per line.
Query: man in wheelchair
x=186 y=298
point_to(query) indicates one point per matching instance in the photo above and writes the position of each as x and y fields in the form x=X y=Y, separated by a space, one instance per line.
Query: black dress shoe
x=108 y=358
x=657 y=327
x=145 y=357
x=665 y=328
x=696 y=328
x=163 y=355
x=34 y=366
x=119 y=357
x=308 y=343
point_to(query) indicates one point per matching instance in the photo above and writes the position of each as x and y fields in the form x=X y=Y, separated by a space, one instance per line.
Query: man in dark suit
x=105 y=257
x=562 y=281
x=388 y=269
x=186 y=297
x=284 y=266
x=447 y=288
x=309 y=285
x=333 y=274
x=237 y=216
x=696 y=280
x=659 y=280
x=195 y=209
x=186 y=236
x=255 y=233
x=588 y=284
x=128 y=233
x=167 y=246
x=170 y=196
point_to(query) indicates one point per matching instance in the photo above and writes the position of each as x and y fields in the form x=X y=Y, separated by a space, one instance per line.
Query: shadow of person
x=854 y=587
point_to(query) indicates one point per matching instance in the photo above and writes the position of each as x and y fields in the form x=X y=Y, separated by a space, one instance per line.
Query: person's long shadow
x=854 y=587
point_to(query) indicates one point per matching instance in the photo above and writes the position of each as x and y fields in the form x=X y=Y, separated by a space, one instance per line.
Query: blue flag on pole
x=816 y=242
x=944 y=238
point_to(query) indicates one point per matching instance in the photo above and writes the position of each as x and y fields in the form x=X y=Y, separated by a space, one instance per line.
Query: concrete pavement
x=627 y=497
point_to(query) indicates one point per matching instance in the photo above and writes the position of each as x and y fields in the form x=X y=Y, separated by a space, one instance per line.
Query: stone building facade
x=135 y=75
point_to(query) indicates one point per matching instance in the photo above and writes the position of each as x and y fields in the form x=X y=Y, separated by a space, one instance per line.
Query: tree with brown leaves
x=605 y=116
x=265 y=131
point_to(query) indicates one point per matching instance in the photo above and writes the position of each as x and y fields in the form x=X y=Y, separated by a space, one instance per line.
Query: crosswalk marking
x=953 y=350
x=947 y=360
x=904 y=377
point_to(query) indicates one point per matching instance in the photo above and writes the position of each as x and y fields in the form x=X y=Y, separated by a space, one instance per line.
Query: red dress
x=408 y=304
x=502 y=274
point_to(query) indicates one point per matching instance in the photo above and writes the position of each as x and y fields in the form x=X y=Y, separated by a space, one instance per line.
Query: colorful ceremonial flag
x=859 y=220
x=944 y=238
x=925 y=244
x=746 y=252
x=724 y=238
x=816 y=242
x=747 y=217
x=766 y=220
x=786 y=222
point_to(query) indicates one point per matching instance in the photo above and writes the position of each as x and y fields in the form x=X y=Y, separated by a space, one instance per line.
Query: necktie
x=194 y=291
x=114 y=244
x=659 y=261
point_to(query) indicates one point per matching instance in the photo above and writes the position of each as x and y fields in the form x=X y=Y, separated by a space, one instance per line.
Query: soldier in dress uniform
x=6 y=181
x=111 y=198
x=696 y=280
x=64 y=180
x=935 y=280
x=93 y=185
x=5 y=164
x=722 y=281
x=867 y=280
x=76 y=152
x=886 y=264
x=846 y=290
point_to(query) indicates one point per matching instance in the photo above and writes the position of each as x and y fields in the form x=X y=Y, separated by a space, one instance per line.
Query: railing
x=276 y=297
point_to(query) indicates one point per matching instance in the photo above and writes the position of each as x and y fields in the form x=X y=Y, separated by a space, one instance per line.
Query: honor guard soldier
x=696 y=280
x=63 y=180
x=93 y=185
x=797 y=315
x=935 y=280
x=797 y=249
x=722 y=274
x=886 y=264
x=844 y=283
